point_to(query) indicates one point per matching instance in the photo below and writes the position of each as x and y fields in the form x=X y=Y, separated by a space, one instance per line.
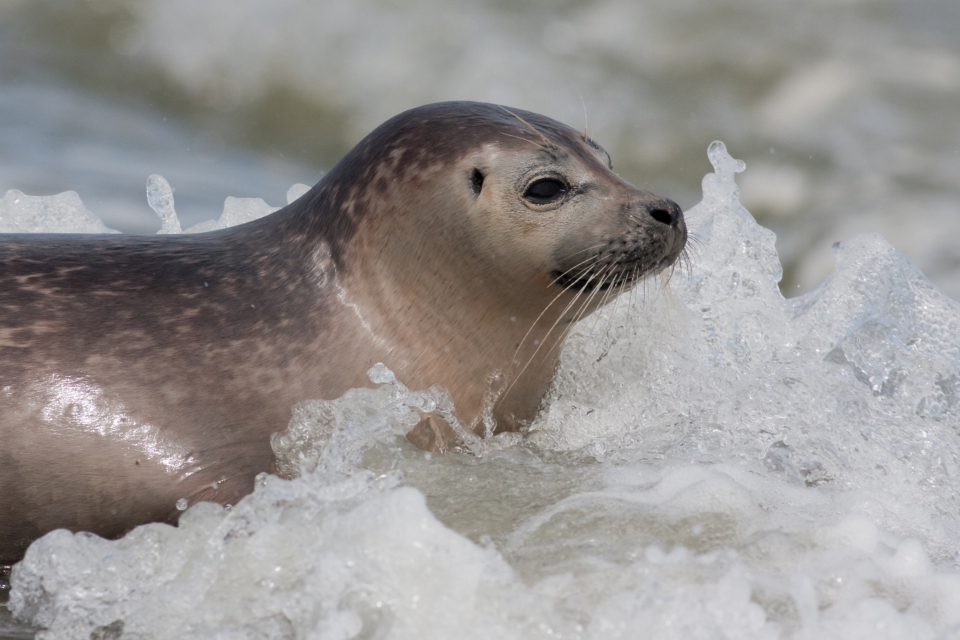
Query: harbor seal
x=455 y=244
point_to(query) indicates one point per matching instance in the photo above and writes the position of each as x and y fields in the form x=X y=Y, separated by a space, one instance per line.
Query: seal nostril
x=476 y=182
x=662 y=215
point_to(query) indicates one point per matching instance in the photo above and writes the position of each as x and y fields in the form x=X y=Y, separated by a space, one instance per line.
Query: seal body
x=455 y=244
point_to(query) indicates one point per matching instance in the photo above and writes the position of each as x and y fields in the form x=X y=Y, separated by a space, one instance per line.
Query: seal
x=456 y=244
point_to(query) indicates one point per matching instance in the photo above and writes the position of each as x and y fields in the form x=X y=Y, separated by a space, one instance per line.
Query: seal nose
x=665 y=211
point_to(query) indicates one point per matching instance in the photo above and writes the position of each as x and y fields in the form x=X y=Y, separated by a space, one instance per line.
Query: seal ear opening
x=476 y=182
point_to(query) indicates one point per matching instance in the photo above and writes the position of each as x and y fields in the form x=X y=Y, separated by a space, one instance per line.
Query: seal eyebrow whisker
x=586 y=120
x=533 y=142
x=546 y=140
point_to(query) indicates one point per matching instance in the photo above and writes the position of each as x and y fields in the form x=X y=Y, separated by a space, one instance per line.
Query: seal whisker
x=565 y=331
x=546 y=141
x=582 y=311
x=683 y=264
x=616 y=305
x=543 y=340
x=565 y=273
x=577 y=315
x=690 y=253
x=633 y=291
x=665 y=289
x=534 y=323
x=580 y=314
x=595 y=291
x=606 y=296
x=550 y=304
x=586 y=120
x=592 y=247
x=641 y=294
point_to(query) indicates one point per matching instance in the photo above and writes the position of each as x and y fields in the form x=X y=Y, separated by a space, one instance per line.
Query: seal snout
x=649 y=237
x=666 y=227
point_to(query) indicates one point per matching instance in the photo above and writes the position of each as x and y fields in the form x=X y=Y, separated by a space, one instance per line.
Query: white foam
x=65 y=212
x=715 y=462
x=160 y=199
x=235 y=210
x=296 y=191
x=61 y=213
x=296 y=559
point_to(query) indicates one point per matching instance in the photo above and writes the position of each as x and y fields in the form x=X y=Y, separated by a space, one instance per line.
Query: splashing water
x=64 y=212
x=713 y=462
x=160 y=199
x=235 y=210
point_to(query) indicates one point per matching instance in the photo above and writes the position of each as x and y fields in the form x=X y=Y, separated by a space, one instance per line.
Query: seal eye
x=545 y=191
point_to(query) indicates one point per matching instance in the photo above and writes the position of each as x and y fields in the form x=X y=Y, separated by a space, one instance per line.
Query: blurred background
x=847 y=112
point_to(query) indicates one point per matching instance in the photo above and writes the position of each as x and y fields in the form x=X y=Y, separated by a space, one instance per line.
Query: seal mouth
x=603 y=278
x=621 y=265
